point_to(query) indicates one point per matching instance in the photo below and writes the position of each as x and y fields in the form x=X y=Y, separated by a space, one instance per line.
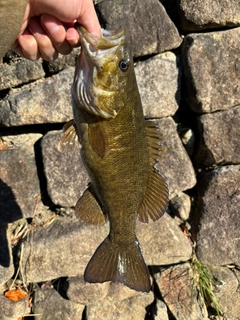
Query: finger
x=56 y=33
x=45 y=45
x=73 y=37
x=26 y=45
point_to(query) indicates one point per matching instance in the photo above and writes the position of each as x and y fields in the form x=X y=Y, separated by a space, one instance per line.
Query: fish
x=119 y=149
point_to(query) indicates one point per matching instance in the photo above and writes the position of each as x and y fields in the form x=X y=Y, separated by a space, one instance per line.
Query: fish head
x=103 y=73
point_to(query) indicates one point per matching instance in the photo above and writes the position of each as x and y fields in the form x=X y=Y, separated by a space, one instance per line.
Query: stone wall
x=188 y=71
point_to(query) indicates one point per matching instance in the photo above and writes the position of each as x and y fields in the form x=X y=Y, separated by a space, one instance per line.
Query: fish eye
x=123 y=65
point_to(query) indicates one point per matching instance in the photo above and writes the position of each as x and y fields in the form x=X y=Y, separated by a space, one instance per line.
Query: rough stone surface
x=161 y=311
x=227 y=291
x=219 y=138
x=141 y=17
x=48 y=101
x=19 y=183
x=50 y=305
x=173 y=161
x=211 y=69
x=199 y=14
x=85 y=293
x=162 y=243
x=217 y=216
x=66 y=176
x=11 y=310
x=129 y=309
x=158 y=81
x=23 y=71
x=176 y=287
x=180 y=205
x=62 y=62
x=6 y=260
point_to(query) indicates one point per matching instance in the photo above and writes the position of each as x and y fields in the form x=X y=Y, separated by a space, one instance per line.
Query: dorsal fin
x=153 y=140
x=98 y=138
x=69 y=140
x=155 y=199
x=88 y=209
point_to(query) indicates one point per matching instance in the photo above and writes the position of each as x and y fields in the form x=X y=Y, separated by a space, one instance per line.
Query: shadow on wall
x=9 y=212
x=9 y=208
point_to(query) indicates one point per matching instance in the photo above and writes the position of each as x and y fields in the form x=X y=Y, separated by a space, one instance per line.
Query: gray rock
x=128 y=309
x=180 y=205
x=86 y=293
x=46 y=101
x=211 y=69
x=217 y=216
x=6 y=260
x=173 y=161
x=179 y=293
x=50 y=305
x=219 y=138
x=66 y=176
x=149 y=29
x=161 y=311
x=200 y=14
x=23 y=71
x=162 y=243
x=19 y=184
x=159 y=85
x=11 y=310
x=227 y=291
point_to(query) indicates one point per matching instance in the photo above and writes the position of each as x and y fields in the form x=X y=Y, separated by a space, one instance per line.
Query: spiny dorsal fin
x=98 y=139
x=155 y=199
x=88 y=209
x=69 y=140
x=153 y=140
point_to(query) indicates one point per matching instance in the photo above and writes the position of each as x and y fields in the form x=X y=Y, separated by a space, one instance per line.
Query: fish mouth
x=95 y=46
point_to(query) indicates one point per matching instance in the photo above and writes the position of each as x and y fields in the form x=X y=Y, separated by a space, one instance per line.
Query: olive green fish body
x=119 y=150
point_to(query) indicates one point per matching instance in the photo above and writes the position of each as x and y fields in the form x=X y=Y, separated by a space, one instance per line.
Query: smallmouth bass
x=119 y=149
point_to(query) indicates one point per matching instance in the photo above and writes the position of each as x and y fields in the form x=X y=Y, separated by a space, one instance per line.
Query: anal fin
x=155 y=199
x=88 y=209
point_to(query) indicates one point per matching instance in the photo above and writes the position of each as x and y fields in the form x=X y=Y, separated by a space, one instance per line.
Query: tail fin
x=125 y=264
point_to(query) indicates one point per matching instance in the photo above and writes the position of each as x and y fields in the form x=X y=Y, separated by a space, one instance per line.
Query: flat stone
x=19 y=183
x=162 y=243
x=45 y=101
x=23 y=71
x=154 y=33
x=6 y=260
x=159 y=85
x=227 y=291
x=66 y=176
x=128 y=309
x=50 y=305
x=198 y=14
x=211 y=70
x=174 y=162
x=176 y=287
x=217 y=216
x=219 y=138
x=11 y=310
x=86 y=293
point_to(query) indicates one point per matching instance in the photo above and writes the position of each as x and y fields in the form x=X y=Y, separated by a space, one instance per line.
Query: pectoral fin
x=98 y=139
x=69 y=140
x=88 y=209
x=155 y=199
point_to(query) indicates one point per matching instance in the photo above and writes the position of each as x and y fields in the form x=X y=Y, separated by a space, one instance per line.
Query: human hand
x=47 y=27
